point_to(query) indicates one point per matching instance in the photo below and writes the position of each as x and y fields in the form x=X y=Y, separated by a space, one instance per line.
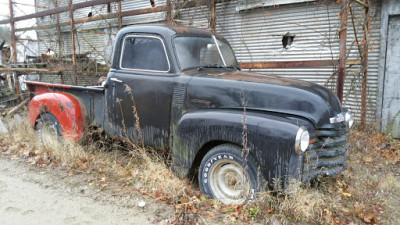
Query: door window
x=144 y=53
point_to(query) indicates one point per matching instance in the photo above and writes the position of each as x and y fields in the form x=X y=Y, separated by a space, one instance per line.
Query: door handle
x=116 y=80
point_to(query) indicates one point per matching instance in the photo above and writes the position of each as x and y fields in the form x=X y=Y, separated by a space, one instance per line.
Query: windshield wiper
x=218 y=66
x=210 y=66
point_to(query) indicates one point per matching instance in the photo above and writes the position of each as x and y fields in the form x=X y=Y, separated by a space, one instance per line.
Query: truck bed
x=91 y=96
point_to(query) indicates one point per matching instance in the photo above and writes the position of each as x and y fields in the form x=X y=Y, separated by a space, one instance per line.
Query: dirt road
x=31 y=195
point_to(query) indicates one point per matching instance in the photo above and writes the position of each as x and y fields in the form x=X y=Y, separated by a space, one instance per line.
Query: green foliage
x=253 y=212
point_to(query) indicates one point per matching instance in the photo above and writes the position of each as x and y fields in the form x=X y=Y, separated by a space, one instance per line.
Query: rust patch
x=289 y=64
x=43 y=109
x=188 y=30
x=61 y=106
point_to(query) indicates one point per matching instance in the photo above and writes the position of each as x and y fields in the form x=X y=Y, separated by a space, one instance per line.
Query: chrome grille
x=325 y=157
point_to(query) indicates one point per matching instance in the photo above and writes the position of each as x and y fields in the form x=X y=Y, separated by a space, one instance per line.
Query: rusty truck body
x=233 y=130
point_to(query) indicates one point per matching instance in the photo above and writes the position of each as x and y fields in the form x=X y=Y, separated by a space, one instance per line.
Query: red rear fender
x=69 y=111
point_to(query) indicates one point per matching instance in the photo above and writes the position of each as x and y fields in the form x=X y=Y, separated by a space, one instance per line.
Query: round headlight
x=349 y=119
x=302 y=140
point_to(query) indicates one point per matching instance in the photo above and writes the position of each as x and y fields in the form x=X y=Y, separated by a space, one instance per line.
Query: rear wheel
x=222 y=175
x=49 y=129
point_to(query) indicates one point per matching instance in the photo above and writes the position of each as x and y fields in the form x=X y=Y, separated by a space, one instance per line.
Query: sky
x=21 y=7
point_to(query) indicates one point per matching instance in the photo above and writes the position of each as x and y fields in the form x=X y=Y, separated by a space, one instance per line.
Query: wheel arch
x=270 y=139
x=68 y=109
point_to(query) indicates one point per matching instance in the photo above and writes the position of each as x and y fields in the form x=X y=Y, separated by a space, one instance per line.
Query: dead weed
x=135 y=168
x=366 y=192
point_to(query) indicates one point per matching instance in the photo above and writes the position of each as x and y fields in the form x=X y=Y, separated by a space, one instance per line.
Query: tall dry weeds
x=366 y=192
x=148 y=173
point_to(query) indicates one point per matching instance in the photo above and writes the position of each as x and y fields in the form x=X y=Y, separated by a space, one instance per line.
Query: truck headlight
x=302 y=140
x=349 y=119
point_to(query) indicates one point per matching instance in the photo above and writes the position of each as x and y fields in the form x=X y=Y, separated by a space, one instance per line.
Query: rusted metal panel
x=288 y=64
x=342 y=49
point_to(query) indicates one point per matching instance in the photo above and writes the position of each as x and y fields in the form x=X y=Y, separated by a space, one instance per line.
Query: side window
x=144 y=53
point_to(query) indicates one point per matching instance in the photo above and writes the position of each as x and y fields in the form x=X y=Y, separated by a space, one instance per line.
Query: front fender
x=270 y=138
x=68 y=110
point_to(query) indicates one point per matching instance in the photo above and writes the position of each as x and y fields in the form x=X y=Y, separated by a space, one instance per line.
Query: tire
x=222 y=175
x=49 y=129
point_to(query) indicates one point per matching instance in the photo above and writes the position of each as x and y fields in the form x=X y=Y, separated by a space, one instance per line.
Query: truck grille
x=326 y=156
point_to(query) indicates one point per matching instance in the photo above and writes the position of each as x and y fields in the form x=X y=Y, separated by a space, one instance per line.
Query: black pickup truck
x=233 y=129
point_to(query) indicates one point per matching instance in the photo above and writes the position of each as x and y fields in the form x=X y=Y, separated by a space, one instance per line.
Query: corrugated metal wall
x=256 y=36
x=93 y=36
x=96 y=37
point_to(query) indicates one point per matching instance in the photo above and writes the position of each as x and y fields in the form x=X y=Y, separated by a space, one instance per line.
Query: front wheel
x=224 y=175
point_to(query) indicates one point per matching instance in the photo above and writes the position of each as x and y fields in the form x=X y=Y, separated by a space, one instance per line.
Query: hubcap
x=229 y=182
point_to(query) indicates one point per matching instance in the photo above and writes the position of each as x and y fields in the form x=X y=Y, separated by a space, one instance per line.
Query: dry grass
x=366 y=192
x=136 y=167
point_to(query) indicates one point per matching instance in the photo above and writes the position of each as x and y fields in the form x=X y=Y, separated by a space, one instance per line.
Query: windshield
x=198 y=52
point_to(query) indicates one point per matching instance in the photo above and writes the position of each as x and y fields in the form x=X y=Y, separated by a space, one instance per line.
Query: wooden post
x=213 y=21
x=342 y=49
x=59 y=41
x=14 y=47
x=71 y=22
x=364 y=69
x=119 y=15
x=169 y=12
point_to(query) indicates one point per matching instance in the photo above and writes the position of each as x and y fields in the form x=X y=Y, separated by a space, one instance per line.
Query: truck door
x=142 y=86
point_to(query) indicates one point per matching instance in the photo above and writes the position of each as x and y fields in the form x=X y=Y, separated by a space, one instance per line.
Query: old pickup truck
x=233 y=130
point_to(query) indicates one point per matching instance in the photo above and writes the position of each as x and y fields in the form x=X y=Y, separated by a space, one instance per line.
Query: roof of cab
x=164 y=29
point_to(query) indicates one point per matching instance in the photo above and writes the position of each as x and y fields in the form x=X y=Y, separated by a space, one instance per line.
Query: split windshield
x=203 y=52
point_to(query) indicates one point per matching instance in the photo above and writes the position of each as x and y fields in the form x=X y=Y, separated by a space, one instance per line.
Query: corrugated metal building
x=255 y=29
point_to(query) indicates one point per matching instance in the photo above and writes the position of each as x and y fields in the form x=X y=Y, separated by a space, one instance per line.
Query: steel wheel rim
x=229 y=182
x=48 y=132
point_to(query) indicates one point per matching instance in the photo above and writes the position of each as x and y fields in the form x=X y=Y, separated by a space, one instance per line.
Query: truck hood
x=233 y=90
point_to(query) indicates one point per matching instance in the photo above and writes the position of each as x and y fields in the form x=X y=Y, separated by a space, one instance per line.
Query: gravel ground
x=31 y=195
